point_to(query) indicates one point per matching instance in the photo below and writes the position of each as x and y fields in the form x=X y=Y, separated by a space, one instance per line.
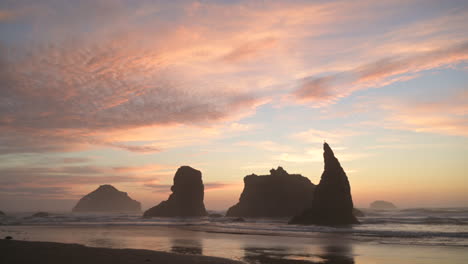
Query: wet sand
x=322 y=248
x=27 y=252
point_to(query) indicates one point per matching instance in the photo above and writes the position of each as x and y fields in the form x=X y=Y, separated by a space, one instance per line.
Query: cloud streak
x=329 y=89
x=447 y=116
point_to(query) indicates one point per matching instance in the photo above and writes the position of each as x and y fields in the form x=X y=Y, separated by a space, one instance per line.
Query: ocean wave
x=399 y=225
x=417 y=221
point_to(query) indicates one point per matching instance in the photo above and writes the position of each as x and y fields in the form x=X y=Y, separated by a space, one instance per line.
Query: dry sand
x=19 y=252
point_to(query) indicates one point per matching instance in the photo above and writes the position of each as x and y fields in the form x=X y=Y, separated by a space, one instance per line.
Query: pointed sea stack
x=107 y=198
x=332 y=204
x=186 y=199
x=279 y=194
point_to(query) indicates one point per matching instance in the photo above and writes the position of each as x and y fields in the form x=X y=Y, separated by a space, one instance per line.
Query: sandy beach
x=19 y=252
x=183 y=244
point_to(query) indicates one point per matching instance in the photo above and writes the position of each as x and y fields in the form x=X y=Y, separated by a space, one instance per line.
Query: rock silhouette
x=2 y=213
x=276 y=195
x=382 y=205
x=187 y=195
x=107 y=198
x=332 y=203
x=40 y=214
x=358 y=213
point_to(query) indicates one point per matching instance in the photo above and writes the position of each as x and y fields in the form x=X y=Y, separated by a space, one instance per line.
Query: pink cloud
x=61 y=94
x=249 y=49
x=69 y=91
x=446 y=116
x=209 y=186
x=329 y=89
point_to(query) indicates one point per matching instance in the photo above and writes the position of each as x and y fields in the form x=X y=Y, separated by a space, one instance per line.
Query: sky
x=125 y=92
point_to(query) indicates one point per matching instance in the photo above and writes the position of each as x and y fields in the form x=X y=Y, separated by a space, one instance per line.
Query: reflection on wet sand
x=333 y=252
x=106 y=242
x=337 y=254
x=187 y=246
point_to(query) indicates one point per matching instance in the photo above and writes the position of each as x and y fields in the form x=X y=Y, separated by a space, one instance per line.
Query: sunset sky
x=125 y=92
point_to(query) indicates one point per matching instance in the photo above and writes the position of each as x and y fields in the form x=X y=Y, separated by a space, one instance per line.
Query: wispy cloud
x=316 y=136
x=329 y=89
x=96 y=69
x=316 y=155
x=446 y=116
x=265 y=145
x=209 y=186
x=249 y=49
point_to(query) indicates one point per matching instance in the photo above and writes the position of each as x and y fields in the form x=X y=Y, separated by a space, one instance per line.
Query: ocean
x=436 y=235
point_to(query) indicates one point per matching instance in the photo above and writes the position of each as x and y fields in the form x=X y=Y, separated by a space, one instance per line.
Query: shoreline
x=178 y=244
x=20 y=251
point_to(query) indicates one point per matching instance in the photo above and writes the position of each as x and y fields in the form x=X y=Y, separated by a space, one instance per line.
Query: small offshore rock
x=40 y=214
x=382 y=205
x=215 y=215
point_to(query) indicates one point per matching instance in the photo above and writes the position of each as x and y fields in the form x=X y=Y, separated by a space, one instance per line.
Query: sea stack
x=332 y=203
x=186 y=199
x=279 y=194
x=382 y=205
x=107 y=198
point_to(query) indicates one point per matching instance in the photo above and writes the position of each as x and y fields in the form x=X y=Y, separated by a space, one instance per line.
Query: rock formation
x=107 y=198
x=40 y=214
x=2 y=214
x=358 y=213
x=332 y=203
x=187 y=195
x=382 y=205
x=276 y=195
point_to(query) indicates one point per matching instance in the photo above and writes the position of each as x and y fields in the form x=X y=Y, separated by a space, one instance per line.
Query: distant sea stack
x=332 y=203
x=276 y=195
x=186 y=199
x=382 y=205
x=40 y=214
x=107 y=198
